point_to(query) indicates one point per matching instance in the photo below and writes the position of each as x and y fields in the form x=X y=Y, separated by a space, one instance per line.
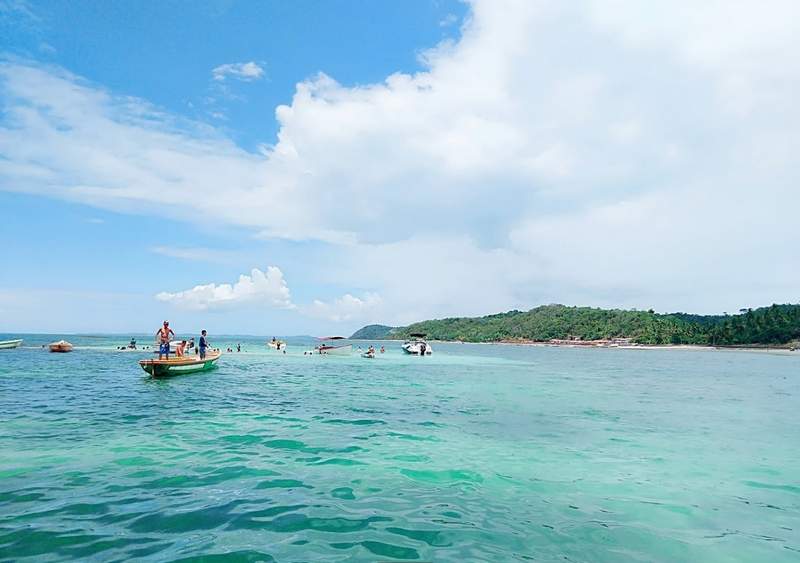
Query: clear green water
x=479 y=453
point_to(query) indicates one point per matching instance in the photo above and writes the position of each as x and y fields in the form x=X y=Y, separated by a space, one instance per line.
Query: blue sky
x=310 y=167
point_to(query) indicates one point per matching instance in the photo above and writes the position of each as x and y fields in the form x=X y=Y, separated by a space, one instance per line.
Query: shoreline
x=789 y=349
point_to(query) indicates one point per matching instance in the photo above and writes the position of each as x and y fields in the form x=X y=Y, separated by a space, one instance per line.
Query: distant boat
x=417 y=345
x=341 y=350
x=8 y=344
x=60 y=346
x=180 y=365
x=277 y=344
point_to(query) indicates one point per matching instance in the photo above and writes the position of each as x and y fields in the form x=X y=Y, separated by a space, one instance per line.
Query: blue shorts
x=164 y=348
x=202 y=353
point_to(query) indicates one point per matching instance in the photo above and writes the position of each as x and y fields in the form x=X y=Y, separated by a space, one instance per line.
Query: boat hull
x=8 y=344
x=345 y=350
x=61 y=347
x=415 y=348
x=179 y=366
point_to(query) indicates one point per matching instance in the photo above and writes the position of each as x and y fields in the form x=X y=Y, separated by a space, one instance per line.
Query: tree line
x=777 y=324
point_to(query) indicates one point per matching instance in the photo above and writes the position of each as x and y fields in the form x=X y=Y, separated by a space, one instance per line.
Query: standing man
x=163 y=337
x=203 y=344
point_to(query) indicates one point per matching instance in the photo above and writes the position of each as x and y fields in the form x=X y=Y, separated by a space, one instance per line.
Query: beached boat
x=60 y=346
x=8 y=344
x=179 y=365
x=332 y=349
x=417 y=345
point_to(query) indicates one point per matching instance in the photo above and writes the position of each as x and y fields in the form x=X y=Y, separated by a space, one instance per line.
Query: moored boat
x=417 y=345
x=8 y=344
x=277 y=344
x=332 y=349
x=60 y=346
x=344 y=350
x=180 y=365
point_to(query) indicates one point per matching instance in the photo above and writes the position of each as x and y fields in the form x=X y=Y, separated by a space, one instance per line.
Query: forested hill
x=778 y=324
x=375 y=332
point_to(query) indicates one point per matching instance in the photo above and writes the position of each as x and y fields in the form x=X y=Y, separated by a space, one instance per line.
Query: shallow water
x=494 y=453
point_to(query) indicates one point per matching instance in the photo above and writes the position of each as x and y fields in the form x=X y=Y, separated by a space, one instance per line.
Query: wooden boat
x=8 y=344
x=60 y=346
x=180 y=365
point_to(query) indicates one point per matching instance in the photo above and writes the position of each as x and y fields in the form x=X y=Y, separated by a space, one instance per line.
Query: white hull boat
x=8 y=344
x=345 y=350
x=417 y=346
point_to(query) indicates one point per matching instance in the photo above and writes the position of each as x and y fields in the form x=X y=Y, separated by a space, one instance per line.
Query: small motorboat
x=8 y=344
x=331 y=349
x=345 y=350
x=180 y=365
x=417 y=345
x=277 y=344
x=60 y=346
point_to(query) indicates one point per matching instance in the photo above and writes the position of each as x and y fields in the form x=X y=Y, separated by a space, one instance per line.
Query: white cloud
x=196 y=254
x=448 y=20
x=345 y=308
x=259 y=288
x=246 y=72
x=600 y=151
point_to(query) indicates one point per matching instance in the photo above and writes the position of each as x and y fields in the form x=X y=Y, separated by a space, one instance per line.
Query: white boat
x=60 y=346
x=417 y=345
x=8 y=344
x=277 y=344
x=332 y=349
x=344 y=350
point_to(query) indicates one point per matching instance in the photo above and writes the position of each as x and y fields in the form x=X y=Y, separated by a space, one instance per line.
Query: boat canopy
x=418 y=335
x=331 y=338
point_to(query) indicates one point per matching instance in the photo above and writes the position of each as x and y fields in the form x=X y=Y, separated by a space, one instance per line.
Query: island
x=773 y=326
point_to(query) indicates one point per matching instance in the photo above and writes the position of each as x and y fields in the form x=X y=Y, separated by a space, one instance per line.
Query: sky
x=310 y=167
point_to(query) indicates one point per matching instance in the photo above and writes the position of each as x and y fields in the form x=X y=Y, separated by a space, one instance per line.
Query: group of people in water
x=165 y=336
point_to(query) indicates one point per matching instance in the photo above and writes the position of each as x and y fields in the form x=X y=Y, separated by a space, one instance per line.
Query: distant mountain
x=375 y=332
x=777 y=324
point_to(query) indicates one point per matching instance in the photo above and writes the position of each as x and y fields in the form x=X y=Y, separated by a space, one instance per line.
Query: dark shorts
x=164 y=348
x=202 y=353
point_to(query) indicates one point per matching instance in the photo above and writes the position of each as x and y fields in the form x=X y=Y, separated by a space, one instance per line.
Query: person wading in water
x=163 y=337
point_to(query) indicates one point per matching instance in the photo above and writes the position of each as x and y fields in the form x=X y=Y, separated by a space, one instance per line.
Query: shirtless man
x=163 y=337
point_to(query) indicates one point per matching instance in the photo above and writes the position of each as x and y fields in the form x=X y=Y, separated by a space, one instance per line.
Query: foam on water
x=477 y=453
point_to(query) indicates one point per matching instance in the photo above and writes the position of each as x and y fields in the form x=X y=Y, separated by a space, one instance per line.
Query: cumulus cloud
x=246 y=72
x=603 y=151
x=344 y=308
x=259 y=288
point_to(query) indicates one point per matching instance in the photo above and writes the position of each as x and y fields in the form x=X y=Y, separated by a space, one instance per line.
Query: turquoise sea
x=478 y=453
